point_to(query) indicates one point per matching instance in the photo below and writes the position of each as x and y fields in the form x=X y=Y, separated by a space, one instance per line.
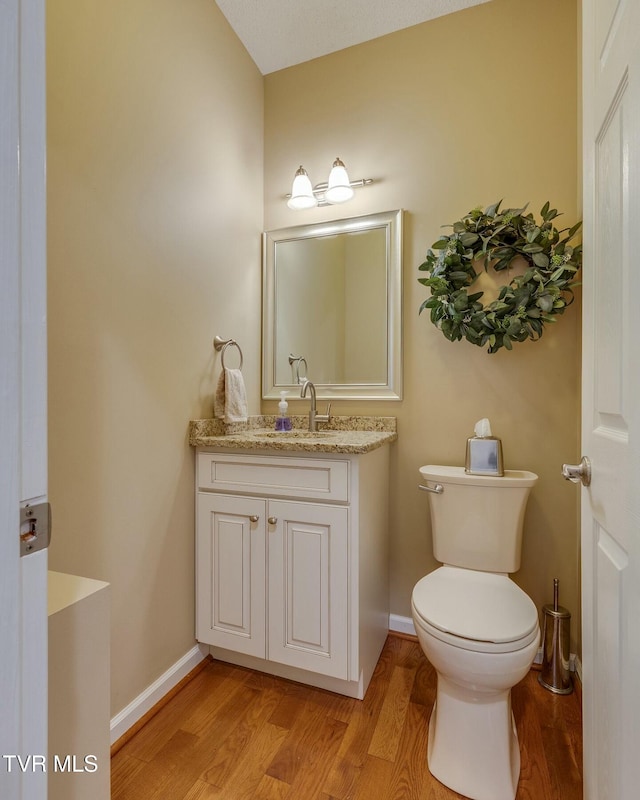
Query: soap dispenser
x=283 y=420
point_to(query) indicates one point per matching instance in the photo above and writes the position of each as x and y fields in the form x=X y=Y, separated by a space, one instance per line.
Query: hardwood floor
x=234 y=734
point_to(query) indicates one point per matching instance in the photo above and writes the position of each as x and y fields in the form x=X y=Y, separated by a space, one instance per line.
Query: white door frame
x=10 y=634
x=23 y=399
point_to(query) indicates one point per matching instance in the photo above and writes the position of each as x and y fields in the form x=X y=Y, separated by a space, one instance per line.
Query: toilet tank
x=477 y=520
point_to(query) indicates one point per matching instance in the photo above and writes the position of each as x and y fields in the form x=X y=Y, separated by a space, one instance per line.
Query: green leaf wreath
x=495 y=238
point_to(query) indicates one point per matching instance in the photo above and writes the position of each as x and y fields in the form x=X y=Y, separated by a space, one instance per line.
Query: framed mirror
x=332 y=308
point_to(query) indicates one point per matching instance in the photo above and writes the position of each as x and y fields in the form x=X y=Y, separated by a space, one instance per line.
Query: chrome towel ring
x=222 y=345
x=298 y=360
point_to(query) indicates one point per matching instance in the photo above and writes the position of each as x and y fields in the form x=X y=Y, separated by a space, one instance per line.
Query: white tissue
x=482 y=428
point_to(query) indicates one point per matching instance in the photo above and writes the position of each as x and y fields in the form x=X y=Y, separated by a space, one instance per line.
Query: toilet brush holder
x=556 y=621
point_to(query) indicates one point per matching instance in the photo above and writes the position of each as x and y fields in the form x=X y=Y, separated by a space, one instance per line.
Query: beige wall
x=463 y=110
x=155 y=140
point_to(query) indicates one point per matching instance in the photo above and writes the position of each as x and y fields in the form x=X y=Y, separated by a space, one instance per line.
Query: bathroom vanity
x=292 y=549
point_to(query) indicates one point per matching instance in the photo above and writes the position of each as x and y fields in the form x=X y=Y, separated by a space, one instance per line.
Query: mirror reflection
x=332 y=307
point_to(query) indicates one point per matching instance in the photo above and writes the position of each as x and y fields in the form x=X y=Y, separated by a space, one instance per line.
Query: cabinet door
x=230 y=573
x=308 y=586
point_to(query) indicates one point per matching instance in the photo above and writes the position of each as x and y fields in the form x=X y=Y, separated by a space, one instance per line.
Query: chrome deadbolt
x=578 y=473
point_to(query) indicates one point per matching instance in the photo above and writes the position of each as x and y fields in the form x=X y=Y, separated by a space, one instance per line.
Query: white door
x=231 y=573
x=611 y=399
x=23 y=428
x=308 y=556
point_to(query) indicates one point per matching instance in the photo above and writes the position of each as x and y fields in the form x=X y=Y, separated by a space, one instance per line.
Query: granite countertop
x=352 y=435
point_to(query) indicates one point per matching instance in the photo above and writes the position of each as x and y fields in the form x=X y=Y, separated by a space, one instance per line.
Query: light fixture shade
x=302 y=195
x=339 y=189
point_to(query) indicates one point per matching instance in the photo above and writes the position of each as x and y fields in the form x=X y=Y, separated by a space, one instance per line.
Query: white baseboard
x=401 y=624
x=405 y=625
x=578 y=667
x=145 y=701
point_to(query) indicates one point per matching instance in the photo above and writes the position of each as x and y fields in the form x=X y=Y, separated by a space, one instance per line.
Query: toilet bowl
x=473 y=744
x=478 y=629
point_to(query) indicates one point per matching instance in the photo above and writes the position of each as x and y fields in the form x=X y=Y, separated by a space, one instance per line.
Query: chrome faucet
x=314 y=417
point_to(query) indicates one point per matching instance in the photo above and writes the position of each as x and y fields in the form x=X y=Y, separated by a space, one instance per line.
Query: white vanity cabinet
x=292 y=563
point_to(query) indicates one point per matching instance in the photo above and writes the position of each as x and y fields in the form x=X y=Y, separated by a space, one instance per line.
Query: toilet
x=477 y=628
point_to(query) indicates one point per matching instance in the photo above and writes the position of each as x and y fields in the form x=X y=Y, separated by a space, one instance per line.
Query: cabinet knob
x=273 y=520
x=254 y=518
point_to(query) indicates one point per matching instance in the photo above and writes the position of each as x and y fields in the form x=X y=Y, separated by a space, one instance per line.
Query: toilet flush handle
x=437 y=489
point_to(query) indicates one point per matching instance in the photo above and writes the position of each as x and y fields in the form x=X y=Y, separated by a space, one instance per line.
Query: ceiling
x=281 y=33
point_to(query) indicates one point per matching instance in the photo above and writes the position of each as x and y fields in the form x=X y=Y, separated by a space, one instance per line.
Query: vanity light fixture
x=338 y=189
x=302 y=195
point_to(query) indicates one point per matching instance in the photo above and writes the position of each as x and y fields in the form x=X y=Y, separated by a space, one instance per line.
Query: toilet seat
x=472 y=610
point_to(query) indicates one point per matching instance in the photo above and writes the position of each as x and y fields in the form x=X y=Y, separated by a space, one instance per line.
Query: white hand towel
x=230 y=401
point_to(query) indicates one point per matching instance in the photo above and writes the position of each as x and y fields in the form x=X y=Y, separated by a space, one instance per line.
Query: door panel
x=611 y=398
x=230 y=555
x=10 y=613
x=307 y=557
x=308 y=586
x=23 y=426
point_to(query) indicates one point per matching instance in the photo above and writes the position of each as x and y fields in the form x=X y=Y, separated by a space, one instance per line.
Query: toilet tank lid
x=480 y=606
x=445 y=474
